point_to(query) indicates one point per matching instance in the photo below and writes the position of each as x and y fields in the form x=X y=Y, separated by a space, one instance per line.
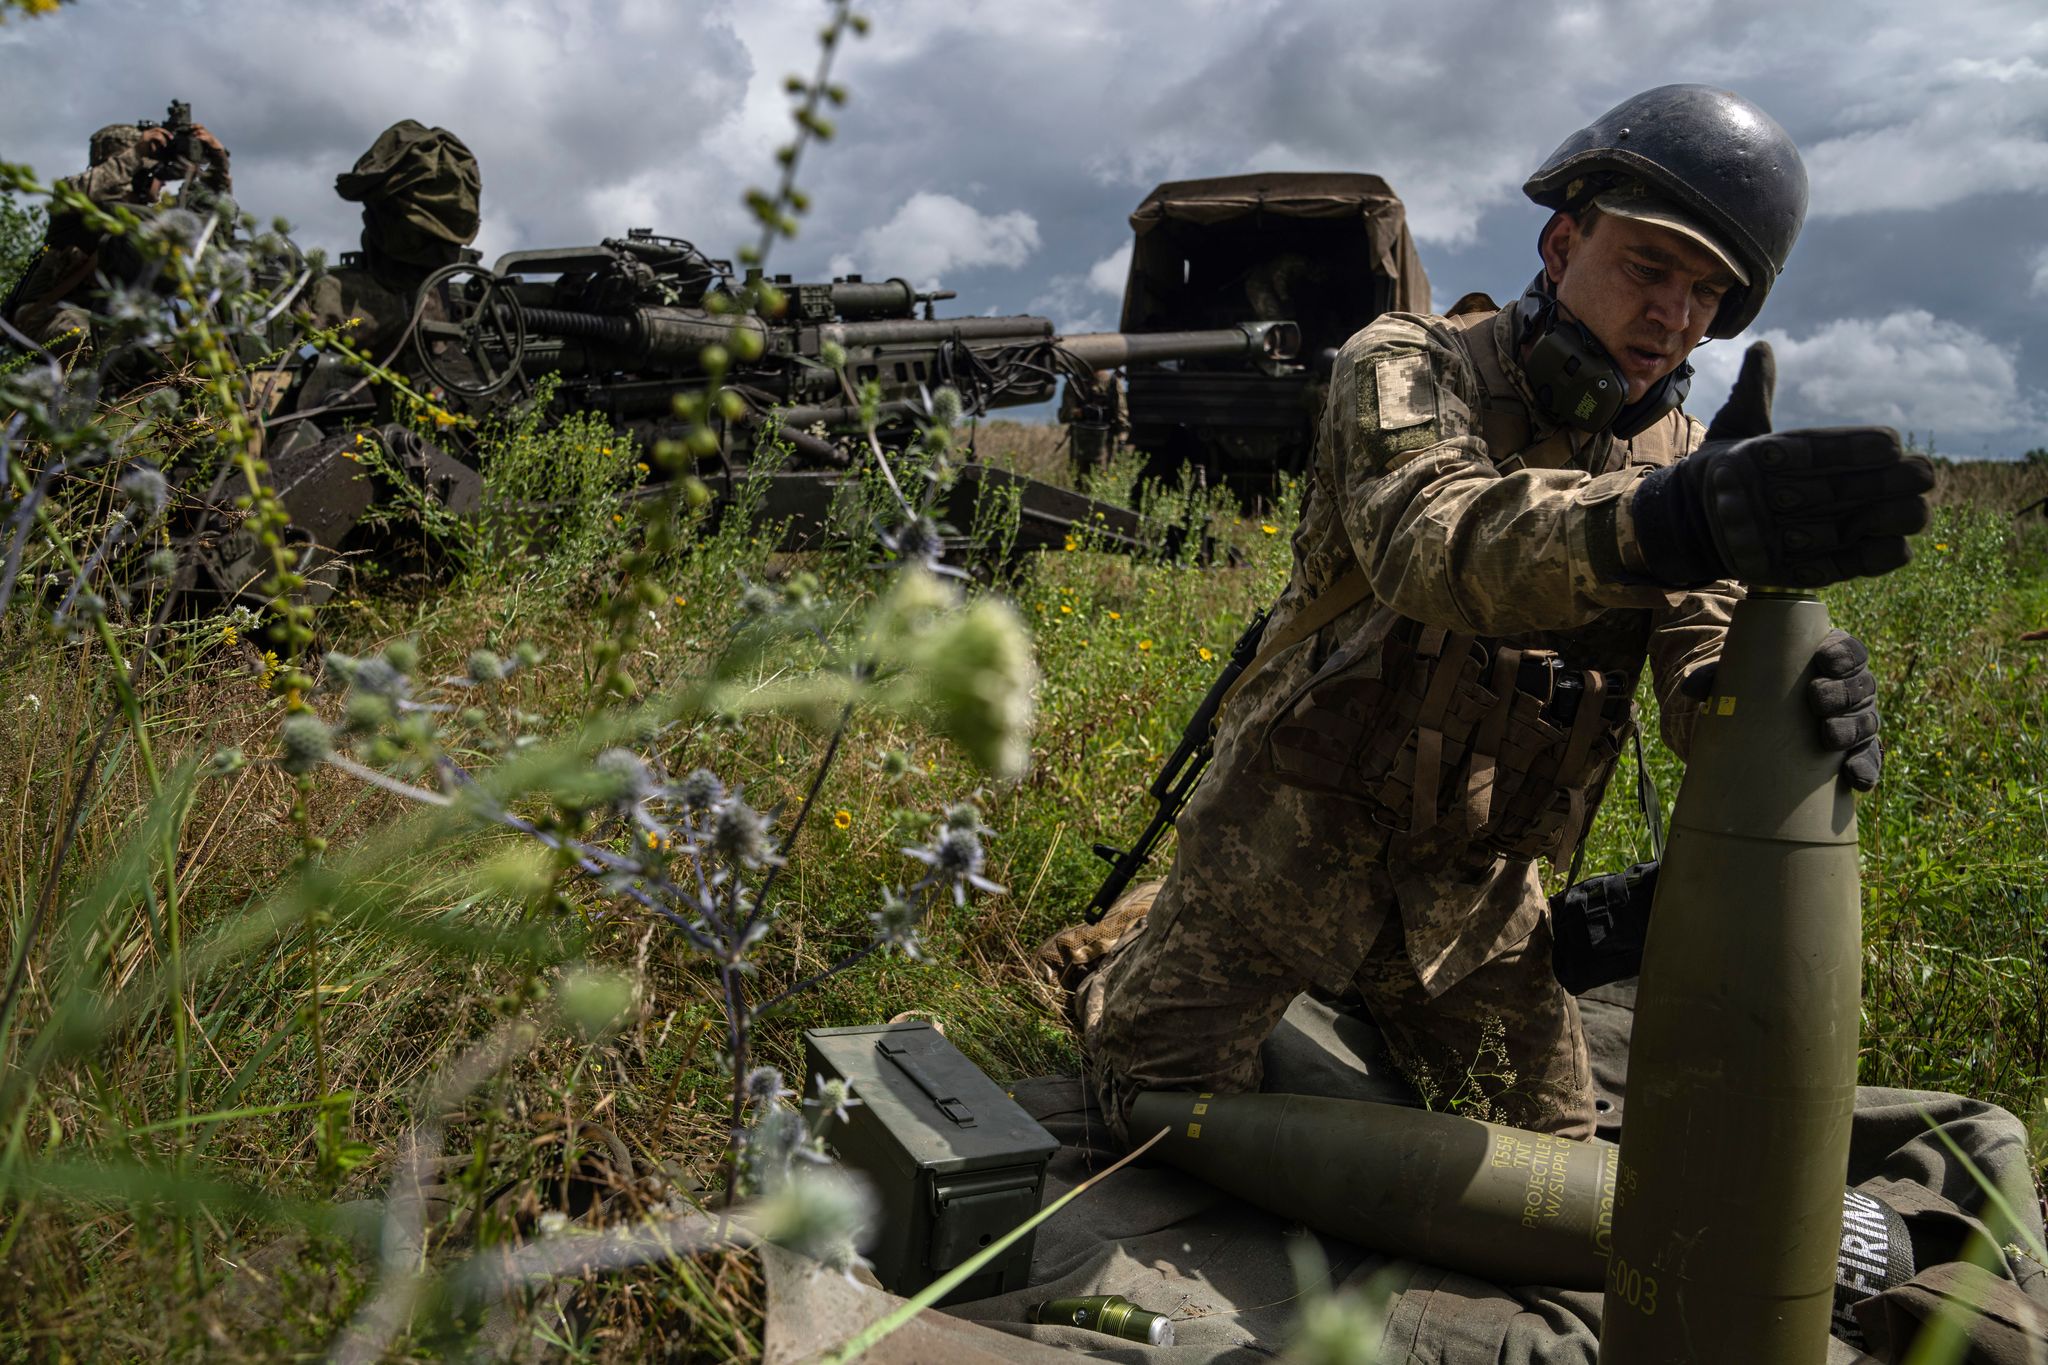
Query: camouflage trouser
x=1184 y=1003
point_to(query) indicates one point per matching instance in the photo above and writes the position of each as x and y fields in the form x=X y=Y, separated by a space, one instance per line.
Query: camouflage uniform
x=1465 y=511
x=51 y=303
x=49 y=306
x=421 y=192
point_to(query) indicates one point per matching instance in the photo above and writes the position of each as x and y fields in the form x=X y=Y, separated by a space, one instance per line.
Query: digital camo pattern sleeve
x=1444 y=537
x=112 y=181
x=1682 y=637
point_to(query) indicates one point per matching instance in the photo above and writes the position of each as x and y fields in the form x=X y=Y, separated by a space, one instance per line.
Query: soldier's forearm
x=1683 y=637
x=1448 y=540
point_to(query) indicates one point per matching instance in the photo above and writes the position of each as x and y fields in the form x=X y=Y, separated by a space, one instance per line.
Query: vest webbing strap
x=1349 y=589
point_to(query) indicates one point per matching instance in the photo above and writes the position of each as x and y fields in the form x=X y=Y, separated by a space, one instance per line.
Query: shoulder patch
x=1406 y=391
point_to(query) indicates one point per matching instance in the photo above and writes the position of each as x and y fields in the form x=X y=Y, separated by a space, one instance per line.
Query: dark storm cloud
x=569 y=112
x=1000 y=146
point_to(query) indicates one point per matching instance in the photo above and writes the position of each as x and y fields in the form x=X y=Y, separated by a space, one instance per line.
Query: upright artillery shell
x=1742 y=1066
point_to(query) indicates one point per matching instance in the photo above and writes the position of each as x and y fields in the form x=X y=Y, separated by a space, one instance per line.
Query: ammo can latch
x=906 y=1062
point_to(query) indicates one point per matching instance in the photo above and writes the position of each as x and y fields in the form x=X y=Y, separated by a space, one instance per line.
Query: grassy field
x=370 y=1006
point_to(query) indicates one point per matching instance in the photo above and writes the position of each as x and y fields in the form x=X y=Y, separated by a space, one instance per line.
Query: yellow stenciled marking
x=1194 y=1130
x=1201 y=1109
x=1726 y=708
x=1206 y=1095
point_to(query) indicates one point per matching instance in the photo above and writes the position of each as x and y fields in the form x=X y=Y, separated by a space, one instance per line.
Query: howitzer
x=620 y=329
x=623 y=327
x=626 y=323
x=1176 y=780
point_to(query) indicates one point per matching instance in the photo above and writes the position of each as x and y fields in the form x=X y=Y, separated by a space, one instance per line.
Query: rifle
x=1176 y=780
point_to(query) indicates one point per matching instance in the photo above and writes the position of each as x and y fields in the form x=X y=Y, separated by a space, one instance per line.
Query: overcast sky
x=998 y=145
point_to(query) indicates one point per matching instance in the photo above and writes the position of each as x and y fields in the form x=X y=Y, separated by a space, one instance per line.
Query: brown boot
x=1066 y=959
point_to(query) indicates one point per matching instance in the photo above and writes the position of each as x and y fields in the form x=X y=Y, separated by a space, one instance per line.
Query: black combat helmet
x=1718 y=159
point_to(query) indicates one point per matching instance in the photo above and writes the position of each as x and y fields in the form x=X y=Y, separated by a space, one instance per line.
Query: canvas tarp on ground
x=1222 y=1270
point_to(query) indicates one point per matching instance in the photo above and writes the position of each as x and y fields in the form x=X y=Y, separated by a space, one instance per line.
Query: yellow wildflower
x=1066 y=610
x=443 y=418
x=682 y=601
x=1941 y=545
x=842 y=819
x=1206 y=653
x=1116 y=616
x=229 y=635
x=641 y=465
x=1144 y=644
x=1269 y=528
x=1072 y=543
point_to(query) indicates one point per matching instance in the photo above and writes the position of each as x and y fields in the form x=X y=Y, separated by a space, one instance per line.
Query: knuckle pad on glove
x=1840 y=654
x=1840 y=696
x=1849 y=731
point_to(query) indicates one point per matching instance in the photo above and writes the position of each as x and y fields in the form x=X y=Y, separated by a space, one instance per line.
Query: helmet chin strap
x=1575 y=379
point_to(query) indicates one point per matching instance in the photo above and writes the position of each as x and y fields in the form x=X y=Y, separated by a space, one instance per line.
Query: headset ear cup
x=1658 y=402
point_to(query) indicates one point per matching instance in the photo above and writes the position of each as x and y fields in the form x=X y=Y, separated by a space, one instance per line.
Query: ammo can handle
x=907 y=1062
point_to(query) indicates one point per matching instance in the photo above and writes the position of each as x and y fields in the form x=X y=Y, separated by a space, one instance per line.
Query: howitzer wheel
x=484 y=330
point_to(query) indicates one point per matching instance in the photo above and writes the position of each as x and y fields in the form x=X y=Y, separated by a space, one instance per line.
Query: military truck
x=1327 y=251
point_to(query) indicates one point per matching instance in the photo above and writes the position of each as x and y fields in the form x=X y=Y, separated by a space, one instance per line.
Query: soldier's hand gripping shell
x=1843 y=695
x=1794 y=509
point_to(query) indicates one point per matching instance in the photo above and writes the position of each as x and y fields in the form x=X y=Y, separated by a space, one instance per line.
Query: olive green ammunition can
x=953 y=1159
x=1110 y=1313
x=1500 y=1203
x=1742 y=1068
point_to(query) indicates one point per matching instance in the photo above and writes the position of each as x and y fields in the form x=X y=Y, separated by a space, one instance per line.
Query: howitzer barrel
x=663 y=337
x=1113 y=350
x=1507 y=1205
x=901 y=331
x=1742 y=1066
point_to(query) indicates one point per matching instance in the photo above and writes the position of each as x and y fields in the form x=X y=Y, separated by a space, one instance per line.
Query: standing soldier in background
x=421 y=192
x=1509 y=514
x=128 y=163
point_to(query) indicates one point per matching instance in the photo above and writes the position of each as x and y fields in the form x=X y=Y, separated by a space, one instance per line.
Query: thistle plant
x=199 y=290
x=627 y=823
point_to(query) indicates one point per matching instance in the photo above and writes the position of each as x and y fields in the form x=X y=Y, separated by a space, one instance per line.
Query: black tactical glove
x=1797 y=509
x=1842 y=692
